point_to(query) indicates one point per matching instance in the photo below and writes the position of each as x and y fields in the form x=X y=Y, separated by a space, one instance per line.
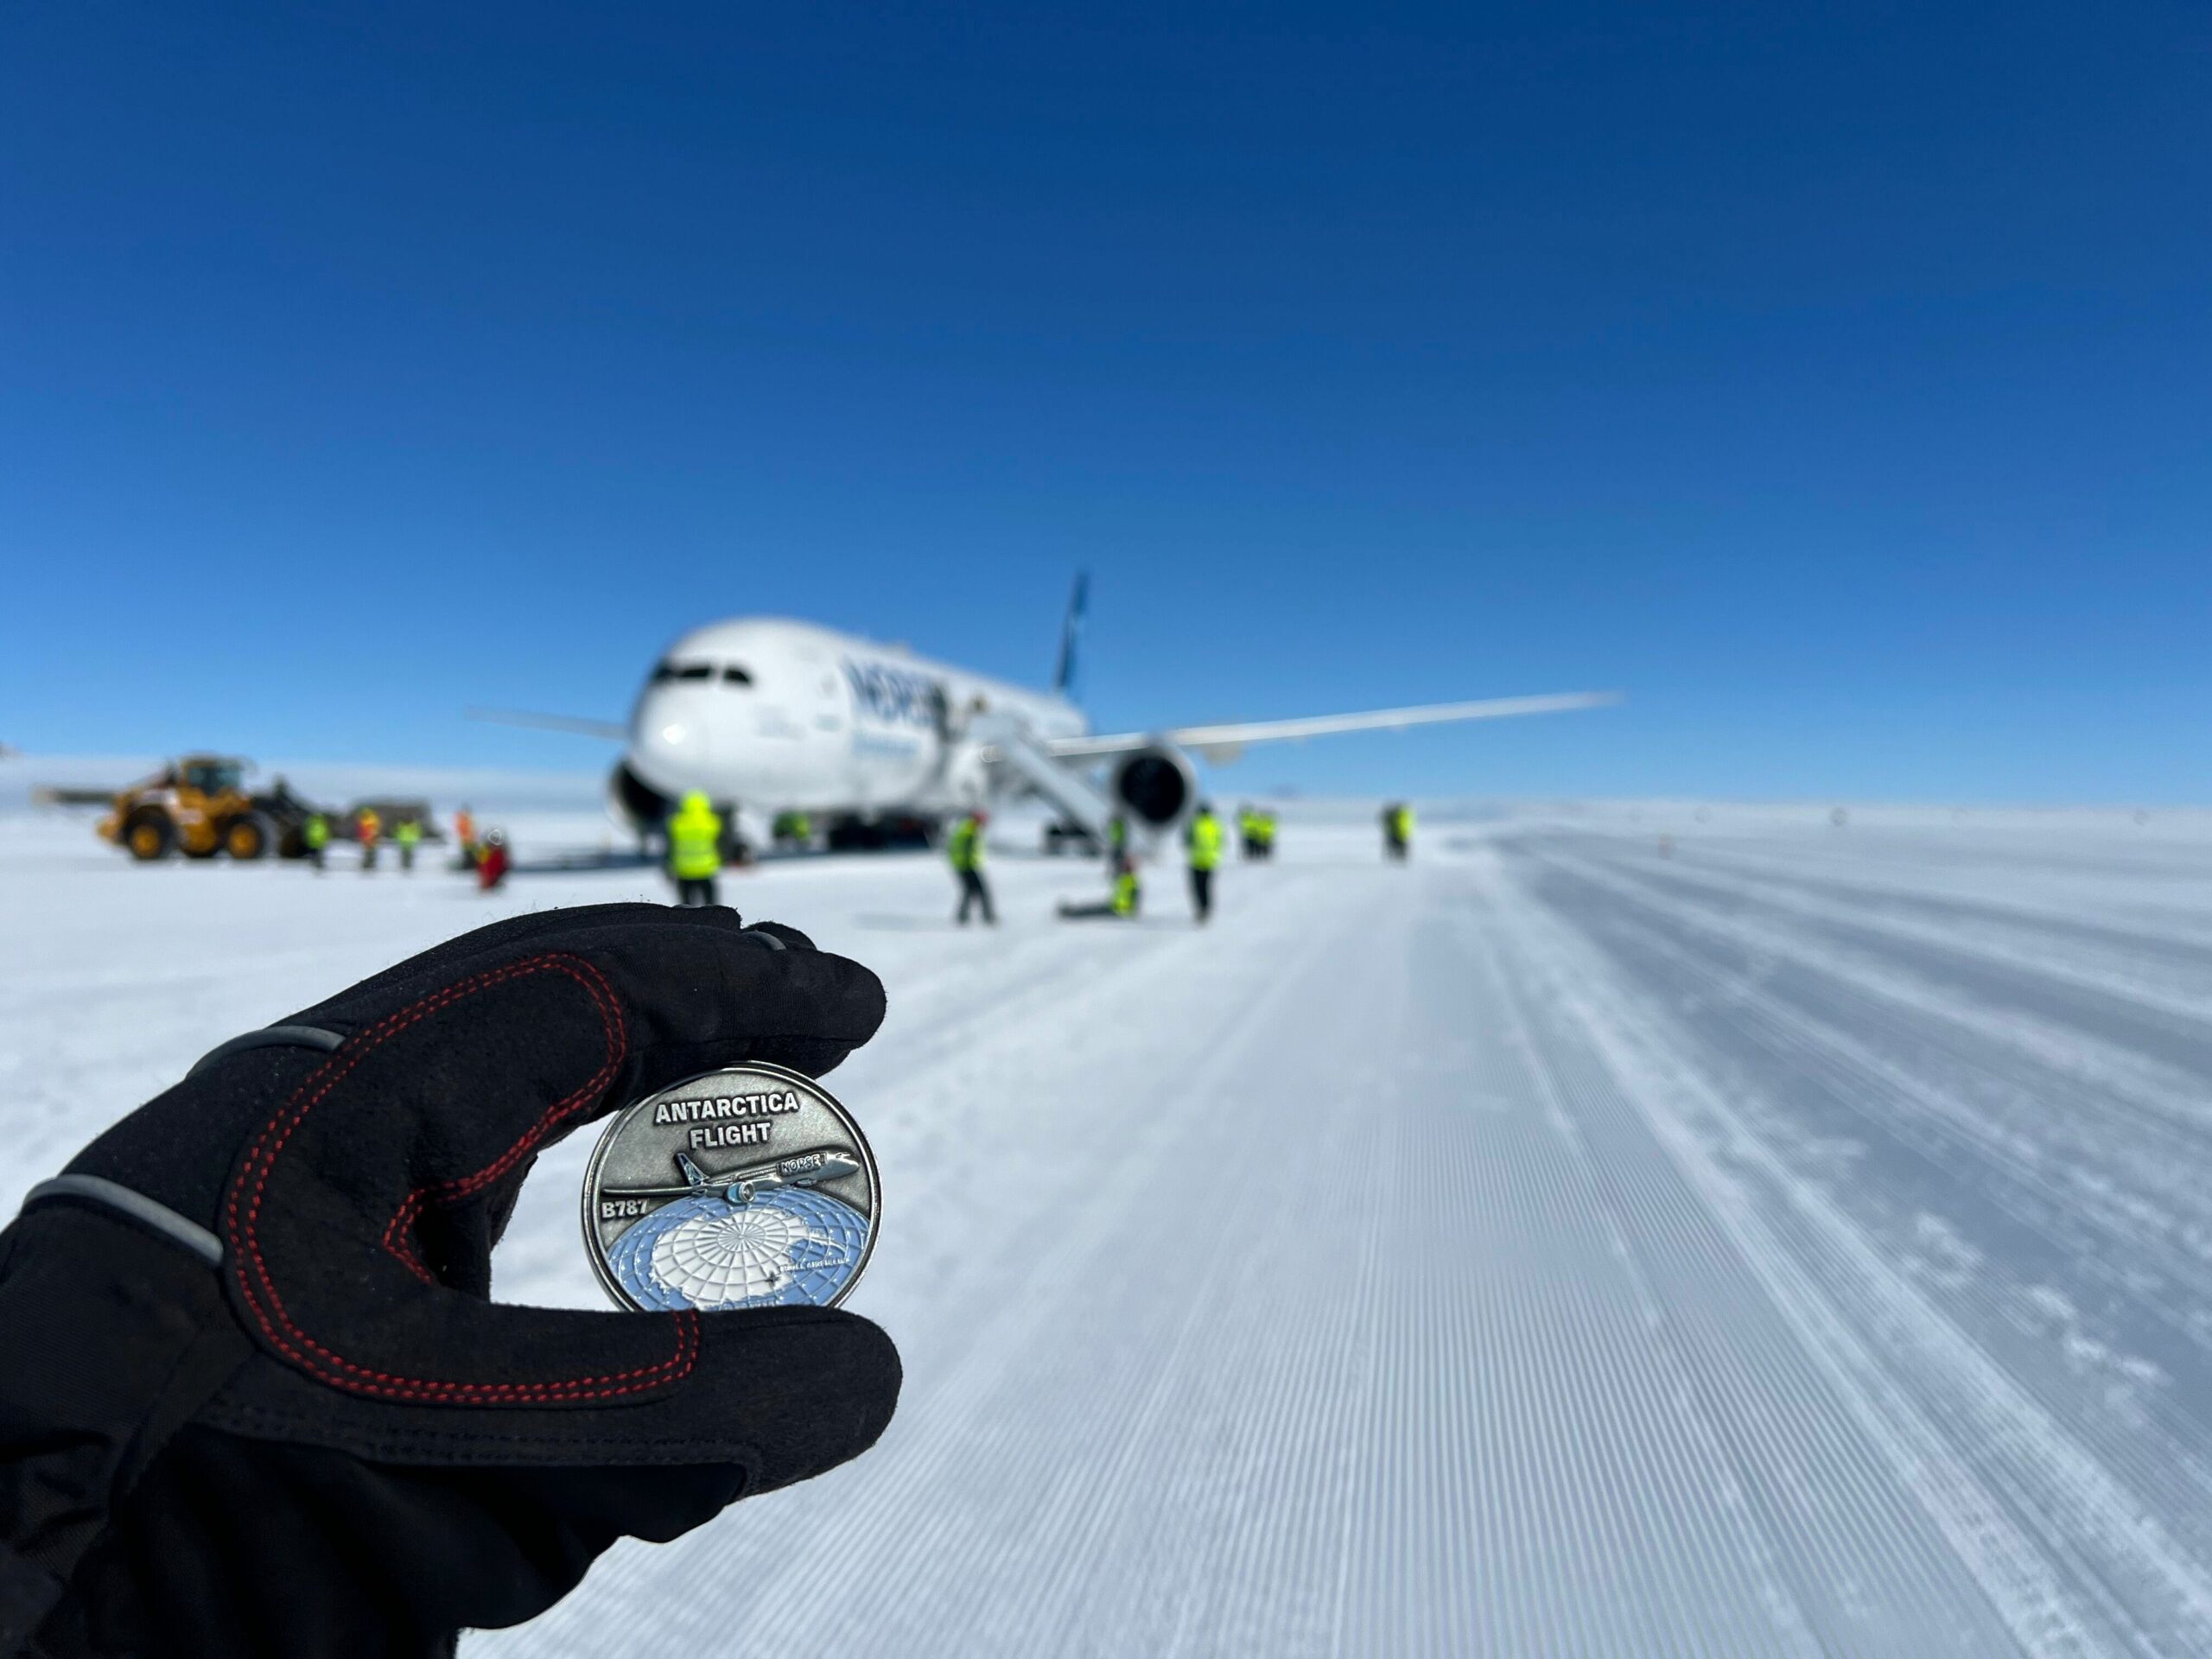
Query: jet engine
x=1156 y=784
x=634 y=802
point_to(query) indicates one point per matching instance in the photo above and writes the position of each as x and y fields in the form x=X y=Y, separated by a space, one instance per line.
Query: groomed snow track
x=1791 y=1242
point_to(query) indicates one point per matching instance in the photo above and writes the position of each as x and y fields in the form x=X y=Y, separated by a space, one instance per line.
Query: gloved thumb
x=778 y=1395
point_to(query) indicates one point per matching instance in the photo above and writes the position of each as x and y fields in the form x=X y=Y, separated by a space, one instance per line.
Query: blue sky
x=1836 y=381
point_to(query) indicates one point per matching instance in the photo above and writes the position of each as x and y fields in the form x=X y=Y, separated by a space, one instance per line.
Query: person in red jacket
x=492 y=861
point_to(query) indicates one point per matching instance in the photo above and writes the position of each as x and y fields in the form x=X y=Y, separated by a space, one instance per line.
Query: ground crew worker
x=314 y=836
x=1204 y=840
x=464 y=831
x=1266 y=833
x=695 y=849
x=965 y=850
x=368 y=829
x=408 y=832
x=1397 y=830
x=1248 y=831
x=1121 y=903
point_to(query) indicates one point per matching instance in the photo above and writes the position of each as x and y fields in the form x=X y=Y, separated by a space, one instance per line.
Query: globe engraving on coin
x=746 y=1187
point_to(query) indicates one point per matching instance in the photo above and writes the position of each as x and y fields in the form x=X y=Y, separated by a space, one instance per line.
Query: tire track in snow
x=1891 y=975
x=1998 y=889
x=1843 y=1540
x=1599 y=1520
x=2069 y=1166
x=2157 y=1444
x=2160 y=1015
x=2088 y=1145
x=2074 y=1560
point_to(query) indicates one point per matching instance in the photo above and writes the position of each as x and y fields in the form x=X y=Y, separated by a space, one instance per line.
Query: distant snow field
x=1623 y=1232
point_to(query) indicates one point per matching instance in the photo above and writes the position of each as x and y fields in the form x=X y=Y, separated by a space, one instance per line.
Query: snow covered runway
x=1792 y=1242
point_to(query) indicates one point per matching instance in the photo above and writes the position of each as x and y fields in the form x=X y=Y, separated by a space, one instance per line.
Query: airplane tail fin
x=1071 y=635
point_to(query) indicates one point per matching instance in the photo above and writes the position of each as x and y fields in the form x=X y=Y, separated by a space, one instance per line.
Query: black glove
x=272 y=1411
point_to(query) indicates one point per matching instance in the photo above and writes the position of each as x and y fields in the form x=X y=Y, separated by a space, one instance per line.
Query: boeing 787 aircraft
x=771 y=715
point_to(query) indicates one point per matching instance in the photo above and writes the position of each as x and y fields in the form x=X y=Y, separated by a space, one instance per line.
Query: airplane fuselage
x=768 y=716
x=773 y=714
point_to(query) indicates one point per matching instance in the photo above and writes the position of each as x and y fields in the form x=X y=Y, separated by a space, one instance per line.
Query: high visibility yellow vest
x=965 y=848
x=1205 y=842
x=407 y=832
x=1125 y=893
x=316 y=832
x=695 y=849
x=1405 y=823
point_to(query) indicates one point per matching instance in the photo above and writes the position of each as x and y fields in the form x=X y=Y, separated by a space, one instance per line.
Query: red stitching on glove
x=399 y=1237
x=284 y=1334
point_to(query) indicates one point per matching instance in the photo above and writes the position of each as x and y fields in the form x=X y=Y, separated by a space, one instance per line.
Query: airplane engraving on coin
x=802 y=1169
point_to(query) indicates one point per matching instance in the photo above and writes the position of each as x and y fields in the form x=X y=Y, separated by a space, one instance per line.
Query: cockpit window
x=665 y=671
x=736 y=675
x=696 y=672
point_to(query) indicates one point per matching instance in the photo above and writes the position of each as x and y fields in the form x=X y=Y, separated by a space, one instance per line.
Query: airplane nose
x=669 y=735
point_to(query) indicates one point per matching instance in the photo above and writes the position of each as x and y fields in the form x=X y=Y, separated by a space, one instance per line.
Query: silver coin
x=746 y=1187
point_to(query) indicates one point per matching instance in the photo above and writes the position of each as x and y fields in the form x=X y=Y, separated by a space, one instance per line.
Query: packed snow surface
x=1779 y=1238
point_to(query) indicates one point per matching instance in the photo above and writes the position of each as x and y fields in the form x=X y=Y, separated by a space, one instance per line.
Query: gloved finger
x=675 y=954
x=791 y=936
x=782 y=1393
x=687 y=984
x=501 y=937
x=723 y=916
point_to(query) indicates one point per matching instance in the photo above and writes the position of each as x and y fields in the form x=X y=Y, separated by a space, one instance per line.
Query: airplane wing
x=612 y=729
x=1226 y=743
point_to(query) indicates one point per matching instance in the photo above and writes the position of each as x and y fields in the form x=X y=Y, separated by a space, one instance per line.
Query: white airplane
x=772 y=715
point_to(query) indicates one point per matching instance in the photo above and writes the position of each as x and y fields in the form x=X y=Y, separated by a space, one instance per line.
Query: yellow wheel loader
x=199 y=806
